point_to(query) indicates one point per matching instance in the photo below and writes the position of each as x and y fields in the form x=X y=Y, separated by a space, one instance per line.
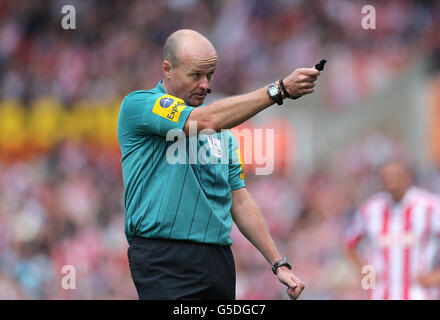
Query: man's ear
x=166 y=69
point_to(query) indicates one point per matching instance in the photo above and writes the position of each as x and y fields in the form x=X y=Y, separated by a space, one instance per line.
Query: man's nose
x=204 y=83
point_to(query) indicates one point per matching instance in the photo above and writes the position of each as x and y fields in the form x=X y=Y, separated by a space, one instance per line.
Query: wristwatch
x=274 y=93
x=280 y=263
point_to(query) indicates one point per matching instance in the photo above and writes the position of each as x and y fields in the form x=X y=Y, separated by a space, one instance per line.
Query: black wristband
x=283 y=88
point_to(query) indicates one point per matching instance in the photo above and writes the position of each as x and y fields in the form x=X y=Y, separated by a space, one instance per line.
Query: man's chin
x=195 y=102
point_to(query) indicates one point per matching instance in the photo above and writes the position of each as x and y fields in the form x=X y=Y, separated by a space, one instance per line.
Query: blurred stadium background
x=61 y=192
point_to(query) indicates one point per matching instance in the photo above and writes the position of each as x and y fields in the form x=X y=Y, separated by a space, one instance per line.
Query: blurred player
x=401 y=226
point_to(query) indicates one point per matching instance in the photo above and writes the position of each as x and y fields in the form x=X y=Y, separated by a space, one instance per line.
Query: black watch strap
x=283 y=88
x=280 y=263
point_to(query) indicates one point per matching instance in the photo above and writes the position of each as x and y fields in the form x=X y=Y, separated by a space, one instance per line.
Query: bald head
x=183 y=43
x=189 y=62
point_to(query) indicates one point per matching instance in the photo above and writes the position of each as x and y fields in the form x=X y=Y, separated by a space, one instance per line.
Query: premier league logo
x=166 y=102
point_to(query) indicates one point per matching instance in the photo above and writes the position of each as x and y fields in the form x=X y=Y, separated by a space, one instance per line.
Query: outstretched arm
x=229 y=112
x=252 y=225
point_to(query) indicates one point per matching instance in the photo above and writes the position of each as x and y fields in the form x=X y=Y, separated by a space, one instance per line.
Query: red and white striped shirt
x=402 y=240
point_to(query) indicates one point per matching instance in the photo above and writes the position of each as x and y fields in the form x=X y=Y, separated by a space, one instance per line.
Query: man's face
x=191 y=78
x=395 y=179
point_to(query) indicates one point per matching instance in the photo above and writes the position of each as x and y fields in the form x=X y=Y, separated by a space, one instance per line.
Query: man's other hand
x=294 y=285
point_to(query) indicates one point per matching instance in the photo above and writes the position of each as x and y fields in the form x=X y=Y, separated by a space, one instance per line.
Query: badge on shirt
x=169 y=107
x=215 y=146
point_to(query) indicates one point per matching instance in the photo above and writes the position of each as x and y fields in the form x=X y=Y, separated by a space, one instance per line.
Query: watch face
x=273 y=90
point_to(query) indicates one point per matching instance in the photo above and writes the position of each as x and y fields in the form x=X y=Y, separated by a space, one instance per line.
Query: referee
x=178 y=216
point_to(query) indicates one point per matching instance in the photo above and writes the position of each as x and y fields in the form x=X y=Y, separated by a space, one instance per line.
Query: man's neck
x=398 y=197
x=165 y=87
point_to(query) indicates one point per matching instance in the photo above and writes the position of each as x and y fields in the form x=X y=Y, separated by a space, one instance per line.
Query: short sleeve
x=236 y=174
x=356 y=230
x=152 y=113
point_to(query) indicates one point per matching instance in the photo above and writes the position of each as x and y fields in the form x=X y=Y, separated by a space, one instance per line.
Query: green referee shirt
x=185 y=197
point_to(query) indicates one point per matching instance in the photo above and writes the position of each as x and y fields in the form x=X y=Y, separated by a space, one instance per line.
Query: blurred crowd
x=64 y=206
x=59 y=209
x=116 y=46
x=308 y=216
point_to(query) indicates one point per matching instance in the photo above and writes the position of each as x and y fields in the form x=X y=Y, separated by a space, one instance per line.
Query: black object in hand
x=320 y=66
